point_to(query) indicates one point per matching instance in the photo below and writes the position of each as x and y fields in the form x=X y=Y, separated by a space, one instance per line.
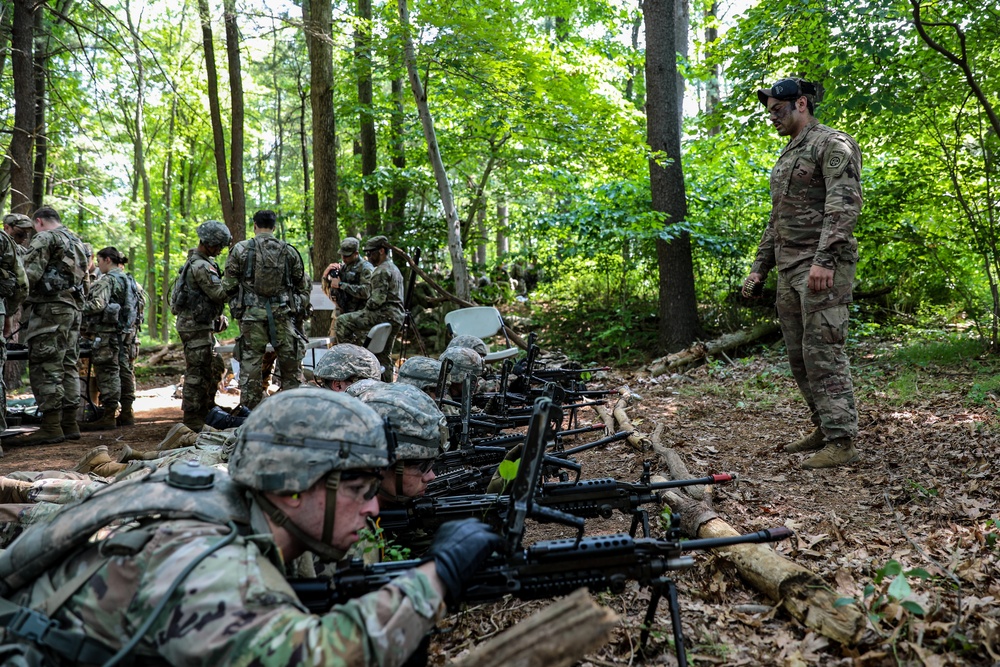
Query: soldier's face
x=355 y=503
x=782 y=115
x=417 y=474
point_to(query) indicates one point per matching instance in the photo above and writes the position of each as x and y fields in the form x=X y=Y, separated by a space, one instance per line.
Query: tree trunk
x=168 y=197
x=22 y=141
x=41 y=58
x=279 y=128
x=307 y=220
x=678 y=312
x=215 y=111
x=502 y=221
x=632 y=69
x=237 y=221
x=481 y=236
x=318 y=16
x=712 y=97
x=395 y=208
x=5 y=30
x=459 y=268
x=557 y=636
x=366 y=115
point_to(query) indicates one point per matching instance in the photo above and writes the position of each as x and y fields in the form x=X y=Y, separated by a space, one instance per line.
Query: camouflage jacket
x=109 y=288
x=238 y=283
x=235 y=608
x=387 y=292
x=13 y=279
x=355 y=284
x=815 y=202
x=205 y=279
x=56 y=264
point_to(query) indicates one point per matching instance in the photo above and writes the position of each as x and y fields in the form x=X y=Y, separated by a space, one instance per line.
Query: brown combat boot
x=70 y=427
x=178 y=436
x=808 y=443
x=14 y=491
x=129 y=454
x=49 y=433
x=99 y=462
x=106 y=422
x=836 y=453
x=126 y=417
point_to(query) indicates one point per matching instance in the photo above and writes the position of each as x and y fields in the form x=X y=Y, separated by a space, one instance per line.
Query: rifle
x=442 y=385
x=551 y=567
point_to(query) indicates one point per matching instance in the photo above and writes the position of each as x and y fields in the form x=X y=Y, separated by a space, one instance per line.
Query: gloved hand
x=458 y=550
x=221 y=322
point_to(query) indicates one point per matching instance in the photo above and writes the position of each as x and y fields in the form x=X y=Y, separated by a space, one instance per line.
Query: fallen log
x=675 y=464
x=557 y=636
x=800 y=592
x=637 y=440
x=701 y=350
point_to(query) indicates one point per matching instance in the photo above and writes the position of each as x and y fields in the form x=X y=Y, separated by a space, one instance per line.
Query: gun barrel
x=769 y=535
x=620 y=435
x=675 y=483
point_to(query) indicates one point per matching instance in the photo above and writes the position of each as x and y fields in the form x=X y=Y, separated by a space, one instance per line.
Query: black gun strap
x=74 y=647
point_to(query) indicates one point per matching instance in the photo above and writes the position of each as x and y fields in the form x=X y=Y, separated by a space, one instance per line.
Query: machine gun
x=551 y=567
x=590 y=498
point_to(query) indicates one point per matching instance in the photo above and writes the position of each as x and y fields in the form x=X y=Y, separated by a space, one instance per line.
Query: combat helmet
x=347 y=361
x=361 y=386
x=214 y=233
x=471 y=342
x=294 y=439
x=421 y=372
x=421 y=429
x=465 y=362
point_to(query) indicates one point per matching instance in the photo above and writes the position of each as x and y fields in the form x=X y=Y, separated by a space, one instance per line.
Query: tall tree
x=678 y=307
x=366 y=114
x=459 y=267
x=318 y=18
x=22 y=140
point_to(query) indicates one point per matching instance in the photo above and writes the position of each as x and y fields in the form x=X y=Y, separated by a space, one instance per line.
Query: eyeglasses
x=423 y=465
x=361 y=489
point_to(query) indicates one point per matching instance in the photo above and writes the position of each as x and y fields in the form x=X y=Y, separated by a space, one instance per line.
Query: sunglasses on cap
x=789 y=89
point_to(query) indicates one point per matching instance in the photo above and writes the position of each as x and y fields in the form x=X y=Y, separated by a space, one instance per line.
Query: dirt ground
x=923 y=496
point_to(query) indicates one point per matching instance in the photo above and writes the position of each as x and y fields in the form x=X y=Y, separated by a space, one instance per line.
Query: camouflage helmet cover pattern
x=214 y=233
x=471 y=342
x=376 y=242
x=421 y=372
x=464 y=362
x=361 y=386
x=421 y=429
x=18 y=220
x=294 y=438
x=346 y=361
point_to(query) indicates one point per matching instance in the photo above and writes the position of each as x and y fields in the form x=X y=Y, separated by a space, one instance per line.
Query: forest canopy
x=138 y=121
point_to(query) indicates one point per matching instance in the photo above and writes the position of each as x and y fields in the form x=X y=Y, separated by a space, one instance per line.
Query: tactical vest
x=67 y=267
x=13 y=280
x=267 y=269
x=184 y=491
x=185 y=297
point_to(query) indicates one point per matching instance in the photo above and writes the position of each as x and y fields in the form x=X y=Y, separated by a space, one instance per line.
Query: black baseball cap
x=788 y=89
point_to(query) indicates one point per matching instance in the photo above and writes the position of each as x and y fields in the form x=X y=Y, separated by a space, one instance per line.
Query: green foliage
x=373 y=539
x=890 y=588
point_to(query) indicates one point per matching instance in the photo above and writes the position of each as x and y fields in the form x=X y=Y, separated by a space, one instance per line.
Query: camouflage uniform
x=109 y=359
x=56 y=266
x=203 y=365
x=355 y=284
x=266 y=320
x=816 y=199
x=13 y=288
x=384 y=305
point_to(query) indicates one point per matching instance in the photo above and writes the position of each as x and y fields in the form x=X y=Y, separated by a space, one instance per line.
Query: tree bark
x=502 y=222
x=22 y=141
x=678 y=312
x=395 y=207
x=366 y=114
x=215 y=112
x=168 y=199
x=41 y=57
x=237 y=221
x=459 y=268
x=557 y=636
x=318 y=15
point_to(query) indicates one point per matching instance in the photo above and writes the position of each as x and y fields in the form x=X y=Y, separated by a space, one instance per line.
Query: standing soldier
x=198 y=299
x=111 y=311
x=348 y=284
x=20 y=228
x=56 y=266
x=815 y=202
x=269 y=295
x=384 y=305
x=13 y=290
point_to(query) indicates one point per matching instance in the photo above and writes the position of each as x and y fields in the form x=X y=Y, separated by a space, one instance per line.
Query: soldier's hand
x=458 y=551
x=753 y=286
x=221 y=323
x=820 y=278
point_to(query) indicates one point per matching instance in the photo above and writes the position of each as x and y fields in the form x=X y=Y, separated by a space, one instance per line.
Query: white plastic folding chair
x=482 y=322
x=378 y=337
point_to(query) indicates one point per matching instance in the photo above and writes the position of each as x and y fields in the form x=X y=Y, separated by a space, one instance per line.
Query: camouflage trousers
x=814 y=333
x=3 y=384
x=250 y=349
x=52 y=332
x=203 y=370
x=105 y=359
x=354 y=328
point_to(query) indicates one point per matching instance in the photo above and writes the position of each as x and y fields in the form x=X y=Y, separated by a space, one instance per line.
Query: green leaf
x=919 y=573
x=890 y=569
x=843 y=602
x=869 y=589
x=899 y=589
x=508 y=469
x=912 y=607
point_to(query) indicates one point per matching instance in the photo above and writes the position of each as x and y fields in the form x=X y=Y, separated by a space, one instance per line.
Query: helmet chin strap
x=321 y=548
x=398 y=497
